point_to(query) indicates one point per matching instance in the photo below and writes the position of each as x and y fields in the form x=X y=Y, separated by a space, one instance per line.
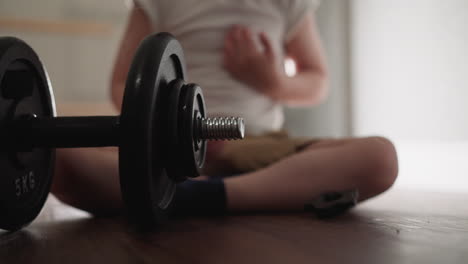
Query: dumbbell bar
x=161 y=132
x=29 y=131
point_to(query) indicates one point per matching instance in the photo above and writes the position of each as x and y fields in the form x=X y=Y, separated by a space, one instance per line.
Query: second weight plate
x=146 y=188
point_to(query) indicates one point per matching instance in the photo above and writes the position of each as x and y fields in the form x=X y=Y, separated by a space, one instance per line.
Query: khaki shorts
x=254 y=152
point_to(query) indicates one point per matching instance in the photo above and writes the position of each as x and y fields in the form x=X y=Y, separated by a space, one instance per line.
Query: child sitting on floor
x=235 y=50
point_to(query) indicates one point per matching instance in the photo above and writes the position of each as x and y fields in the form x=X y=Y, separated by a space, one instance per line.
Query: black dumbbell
x=161 y=132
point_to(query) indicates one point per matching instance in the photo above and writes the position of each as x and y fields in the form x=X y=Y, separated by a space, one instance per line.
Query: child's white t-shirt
x=200 y=27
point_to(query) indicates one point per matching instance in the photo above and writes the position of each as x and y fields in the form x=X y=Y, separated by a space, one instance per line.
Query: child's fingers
x=248 y=43
x=237 y=36
x=268 y=49
x=229 y=58
x=231 y=35
x=229 y=49
x=239 y=41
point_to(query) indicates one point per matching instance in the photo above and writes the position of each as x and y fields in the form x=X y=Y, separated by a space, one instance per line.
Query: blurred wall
x=410 y=68
x=77 y=41
x=409 y=78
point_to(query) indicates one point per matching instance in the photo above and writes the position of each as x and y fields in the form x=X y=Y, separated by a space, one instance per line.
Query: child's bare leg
x=88 y=179
x=368 y=164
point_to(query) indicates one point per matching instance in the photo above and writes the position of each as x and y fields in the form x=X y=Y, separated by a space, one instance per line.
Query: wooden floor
x=399 y=227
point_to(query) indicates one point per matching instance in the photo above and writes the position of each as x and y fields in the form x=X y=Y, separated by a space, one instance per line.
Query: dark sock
x=205 y=198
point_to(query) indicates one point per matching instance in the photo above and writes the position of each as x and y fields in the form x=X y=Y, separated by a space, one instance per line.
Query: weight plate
x=25 y=177
x=174 y=144
x=191 y=110
x=146 y=188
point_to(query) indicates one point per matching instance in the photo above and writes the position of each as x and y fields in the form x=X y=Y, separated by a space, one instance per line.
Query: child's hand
x=256 y=66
